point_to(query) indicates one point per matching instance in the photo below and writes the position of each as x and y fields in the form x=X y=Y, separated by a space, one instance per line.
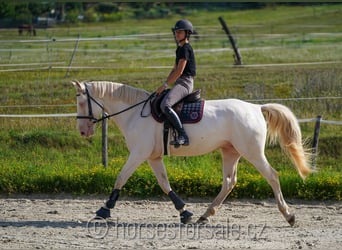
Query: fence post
x=104 y=141
x=315 y=140
x=237 y=57
x=73 y=55
x=174 y=35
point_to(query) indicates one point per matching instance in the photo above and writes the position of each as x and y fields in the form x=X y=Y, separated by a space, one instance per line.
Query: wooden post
x=73 y=55
x=104 y=141
x=315 y=140
x=237 y=57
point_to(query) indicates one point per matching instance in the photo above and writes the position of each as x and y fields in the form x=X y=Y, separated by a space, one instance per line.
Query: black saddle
x=185 y=108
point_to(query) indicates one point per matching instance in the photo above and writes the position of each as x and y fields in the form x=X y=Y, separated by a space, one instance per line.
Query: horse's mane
x=114 y=90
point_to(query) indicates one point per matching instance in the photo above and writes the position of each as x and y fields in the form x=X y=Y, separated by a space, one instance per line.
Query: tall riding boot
x=173 y=118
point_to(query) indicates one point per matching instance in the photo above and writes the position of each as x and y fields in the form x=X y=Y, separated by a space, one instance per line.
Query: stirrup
x=180 y=141
x=183 y=140
x=175 y=143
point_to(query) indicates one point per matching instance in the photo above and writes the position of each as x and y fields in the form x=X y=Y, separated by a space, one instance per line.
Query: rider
x=182 y=75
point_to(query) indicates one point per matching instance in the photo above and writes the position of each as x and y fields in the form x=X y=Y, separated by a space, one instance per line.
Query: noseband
x=91 y=116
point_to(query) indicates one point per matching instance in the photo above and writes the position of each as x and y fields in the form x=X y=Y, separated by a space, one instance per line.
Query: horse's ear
x=79 y=86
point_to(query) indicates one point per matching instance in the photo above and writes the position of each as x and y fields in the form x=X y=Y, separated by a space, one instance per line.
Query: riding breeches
x=183 y=86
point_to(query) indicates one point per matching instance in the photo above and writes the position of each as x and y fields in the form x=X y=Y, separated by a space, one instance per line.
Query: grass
x=47 y=155
x=60 y=163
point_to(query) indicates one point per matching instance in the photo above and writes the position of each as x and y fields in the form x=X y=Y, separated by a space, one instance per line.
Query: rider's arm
x=177 y=71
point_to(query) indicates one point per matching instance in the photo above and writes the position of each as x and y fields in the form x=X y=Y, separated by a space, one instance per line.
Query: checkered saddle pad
x=189 y=109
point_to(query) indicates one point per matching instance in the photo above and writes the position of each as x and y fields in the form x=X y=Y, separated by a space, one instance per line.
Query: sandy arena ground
x=42 y=221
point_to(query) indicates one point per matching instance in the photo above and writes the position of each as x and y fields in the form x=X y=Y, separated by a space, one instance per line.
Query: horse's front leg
x=130 y=166
x=163 y=181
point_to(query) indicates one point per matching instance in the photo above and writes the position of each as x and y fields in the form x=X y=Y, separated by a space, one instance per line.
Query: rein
x=106 y=116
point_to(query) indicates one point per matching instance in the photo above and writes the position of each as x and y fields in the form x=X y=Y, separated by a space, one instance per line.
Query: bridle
x=91 y=116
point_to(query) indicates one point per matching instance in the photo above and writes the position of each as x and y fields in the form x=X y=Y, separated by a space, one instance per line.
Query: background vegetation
x=288 y=52
x=30 y=12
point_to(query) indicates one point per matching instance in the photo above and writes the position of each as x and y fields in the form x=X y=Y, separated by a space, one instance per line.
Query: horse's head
x=88 y=109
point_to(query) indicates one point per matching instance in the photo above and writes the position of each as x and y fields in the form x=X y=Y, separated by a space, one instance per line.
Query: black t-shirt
x=186 y=52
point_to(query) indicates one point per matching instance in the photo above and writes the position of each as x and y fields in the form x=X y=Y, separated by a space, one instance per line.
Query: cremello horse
x=235 y=127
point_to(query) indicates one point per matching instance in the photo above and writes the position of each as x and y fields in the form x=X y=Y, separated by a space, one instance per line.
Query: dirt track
x=66 y=222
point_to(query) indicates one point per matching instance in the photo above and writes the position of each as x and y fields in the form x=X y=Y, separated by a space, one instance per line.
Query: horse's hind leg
x=230 y=159
x=160 y=172
x=272 y=178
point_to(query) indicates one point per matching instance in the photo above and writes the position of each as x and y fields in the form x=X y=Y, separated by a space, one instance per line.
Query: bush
x=112 y=17
x=90 y=15
x=72 y=16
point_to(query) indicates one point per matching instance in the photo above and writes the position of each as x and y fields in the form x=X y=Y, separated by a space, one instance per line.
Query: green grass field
x=287 y=53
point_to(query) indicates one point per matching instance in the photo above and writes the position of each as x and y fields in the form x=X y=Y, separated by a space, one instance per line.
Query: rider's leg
x=172 y=97
x=173 y=118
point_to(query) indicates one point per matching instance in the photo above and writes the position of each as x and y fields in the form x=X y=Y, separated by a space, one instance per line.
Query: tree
x=6 y=10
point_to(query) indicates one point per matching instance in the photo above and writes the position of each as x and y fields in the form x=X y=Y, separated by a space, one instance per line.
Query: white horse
x=235 y=127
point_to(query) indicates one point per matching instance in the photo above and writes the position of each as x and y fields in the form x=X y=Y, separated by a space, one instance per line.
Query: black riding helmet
x=184 y=25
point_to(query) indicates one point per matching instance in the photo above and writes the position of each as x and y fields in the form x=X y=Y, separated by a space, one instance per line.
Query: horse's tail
x=283 y=123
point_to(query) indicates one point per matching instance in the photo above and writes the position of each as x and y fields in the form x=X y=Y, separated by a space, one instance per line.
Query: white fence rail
x=322 y=121
x=74 y=115
x=38 y=115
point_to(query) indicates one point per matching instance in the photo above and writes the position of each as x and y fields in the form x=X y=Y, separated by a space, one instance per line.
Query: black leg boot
x=185 y=215
x=104 y=212
x=173 y=118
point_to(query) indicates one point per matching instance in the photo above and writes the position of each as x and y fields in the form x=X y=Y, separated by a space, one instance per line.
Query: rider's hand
x=161 y=88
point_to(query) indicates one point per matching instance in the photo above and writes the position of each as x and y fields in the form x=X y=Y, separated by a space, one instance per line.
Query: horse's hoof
x=291 y=220
x=103 y=213
x=202 y=220
x=185 y=217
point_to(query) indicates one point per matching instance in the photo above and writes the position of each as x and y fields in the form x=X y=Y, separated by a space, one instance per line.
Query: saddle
x=189 y=110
